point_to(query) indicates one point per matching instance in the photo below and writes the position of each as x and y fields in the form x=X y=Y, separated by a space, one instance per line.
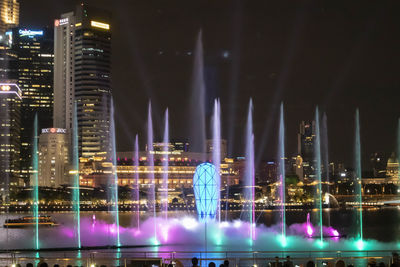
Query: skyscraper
x=305 y=147
x=34 y=71
x=9 y=14
x=82 y=74
x=10 y=102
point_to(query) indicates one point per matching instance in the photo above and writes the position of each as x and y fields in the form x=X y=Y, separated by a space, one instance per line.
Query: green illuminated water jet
x=358 y=184
x=114 y=182
x=75 y=173
x=317 y=152
x=35 y=181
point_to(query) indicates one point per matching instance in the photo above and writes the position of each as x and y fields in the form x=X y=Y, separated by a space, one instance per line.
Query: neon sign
x=29 y=33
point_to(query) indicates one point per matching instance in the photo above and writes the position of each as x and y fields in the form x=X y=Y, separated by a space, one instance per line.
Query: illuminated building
x=82 y=74
x=182 y=165
x=392 y=168
x=305 y=148
x=379 y=164
x=9 y=15
x=34 y=67
x=10 y=102
x=53 y=158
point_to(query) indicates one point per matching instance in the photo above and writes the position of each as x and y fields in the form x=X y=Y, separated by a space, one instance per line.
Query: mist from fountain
x=75 y=173
x=114 y=181
x=165 y=163
x=151 y=194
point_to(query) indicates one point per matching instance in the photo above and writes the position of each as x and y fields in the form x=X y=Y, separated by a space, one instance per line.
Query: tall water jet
x=165 y=162
x=249 y=172
x=398 y=147
x=317 y=153
x=216 y=151
x=197 y=104
x=281 y=173
x=357 y=178
x=114 y=184
x=75 y=175
x=325 y=159
x=151 y=196
x=136 y=187
x=35 y=180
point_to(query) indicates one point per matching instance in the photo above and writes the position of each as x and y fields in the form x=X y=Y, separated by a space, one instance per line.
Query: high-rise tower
x=9 y=15
x=34 y=72
x=82 y=74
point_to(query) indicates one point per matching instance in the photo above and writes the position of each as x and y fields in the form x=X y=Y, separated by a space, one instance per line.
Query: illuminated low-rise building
x=53 y=158
x=10 y=117
x=181 y=168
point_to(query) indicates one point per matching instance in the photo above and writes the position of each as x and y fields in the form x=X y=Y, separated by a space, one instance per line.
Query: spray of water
x=165 y=163
x=249 y=172
x=114 y=185
x=357 y=179
x=197 y=104
x=216 y=152
x=136 y=188
x=317 y=152
x=35 y=175
x=75 y=173
x=151 y=200
x=282 y=191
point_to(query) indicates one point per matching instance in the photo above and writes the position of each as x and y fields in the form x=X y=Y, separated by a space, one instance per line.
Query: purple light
x=309 y=229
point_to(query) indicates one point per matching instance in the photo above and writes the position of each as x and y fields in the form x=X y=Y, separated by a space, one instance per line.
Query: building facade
x=10 y=119
x=82 y=74
x=305 y=148
x=34 y=71
x=9 y=15
x=53 y=158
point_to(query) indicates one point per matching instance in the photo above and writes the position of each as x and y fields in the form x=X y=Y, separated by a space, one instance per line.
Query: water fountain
x=165 y=163
x=151 y=197
x=281 y=175
x=75 y=173
x=35 y=174
x=249 y=182
x=357 y=178
x=114 y=180
x=216 y=152
x=136 y=186
x=318 y=188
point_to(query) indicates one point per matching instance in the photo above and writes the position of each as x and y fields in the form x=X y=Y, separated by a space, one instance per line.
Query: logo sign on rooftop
x=29 y=33
x=54 y=130
x=100 y=25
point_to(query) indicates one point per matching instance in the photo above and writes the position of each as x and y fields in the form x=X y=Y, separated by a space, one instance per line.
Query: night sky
x=338 y=55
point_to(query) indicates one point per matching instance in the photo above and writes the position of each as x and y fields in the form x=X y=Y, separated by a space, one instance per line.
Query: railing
x=158 y=258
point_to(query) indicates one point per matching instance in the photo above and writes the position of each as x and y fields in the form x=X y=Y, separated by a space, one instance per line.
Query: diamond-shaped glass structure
x=206 y=192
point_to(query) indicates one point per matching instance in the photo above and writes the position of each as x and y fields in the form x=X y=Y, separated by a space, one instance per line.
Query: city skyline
x=344 y=58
